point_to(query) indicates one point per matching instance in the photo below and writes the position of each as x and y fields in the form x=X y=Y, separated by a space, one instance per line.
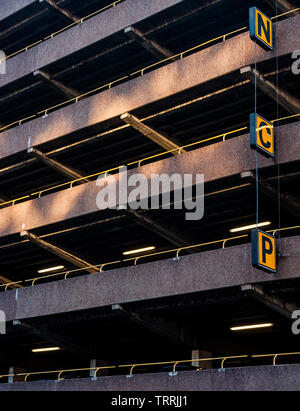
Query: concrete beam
x=3 y=199
x=157 y=228
x=147 y=89
x=4 y=280
x=287 y=202
x=81 y=36
x=61 y=168
x=147 y=222
x=275 y=303
x=157 y=137
x=285 y=99
x=211 y=270
x=217 y=161
x=9 y=8
x=78 y=262
x=255 y=378
x=283 y=6
x=20 y=24
x=152 y=46
x=56 y=85
x=173 y=334
x=57 y=339
x=52 y=6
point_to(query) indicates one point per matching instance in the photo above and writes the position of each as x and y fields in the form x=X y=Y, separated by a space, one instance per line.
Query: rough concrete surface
x=264 y=378
x=216 y=161
x=176 y=77
x=214 y=269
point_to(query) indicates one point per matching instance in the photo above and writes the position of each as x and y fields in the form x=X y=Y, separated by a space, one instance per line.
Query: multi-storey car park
x=159 y=86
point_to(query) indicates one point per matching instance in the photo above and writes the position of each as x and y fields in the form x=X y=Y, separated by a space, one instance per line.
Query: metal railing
x=133 y=366
x=180 y=55
x=176 y=363
x=109 y=85
x=83 y=19
x=65 y=274
x=59 y=373
x=70 y=184
x=75 y=23
x=275 y=356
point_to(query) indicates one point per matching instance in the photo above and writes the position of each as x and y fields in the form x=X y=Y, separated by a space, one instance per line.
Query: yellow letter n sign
x=261 y=28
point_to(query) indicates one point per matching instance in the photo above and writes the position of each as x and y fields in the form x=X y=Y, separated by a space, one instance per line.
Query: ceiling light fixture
x=48 y=270
x=46 y=349
x=250 y=327
x=249 y=227
x=140 y=250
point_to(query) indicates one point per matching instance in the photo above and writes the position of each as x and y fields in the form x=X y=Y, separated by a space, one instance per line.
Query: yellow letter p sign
x=264 y=251
x=261 y=28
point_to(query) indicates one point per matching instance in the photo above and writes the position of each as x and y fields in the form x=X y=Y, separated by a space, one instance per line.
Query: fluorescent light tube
x=140 y=250
x=46 y=349
x=48 y=270
x=250 y=327
x=249 y=227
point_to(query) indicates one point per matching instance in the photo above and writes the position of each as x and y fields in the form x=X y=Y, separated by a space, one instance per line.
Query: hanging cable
x=277 y=139
x=256 y=154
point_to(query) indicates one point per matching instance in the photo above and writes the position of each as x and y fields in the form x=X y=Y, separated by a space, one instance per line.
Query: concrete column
x=199 y=354
x=11 y=378
x=98 y=363
x=16 y=370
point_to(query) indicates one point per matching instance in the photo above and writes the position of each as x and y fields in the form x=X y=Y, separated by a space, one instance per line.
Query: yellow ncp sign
x=262 y=135
x=261 y=28
x=264 y=251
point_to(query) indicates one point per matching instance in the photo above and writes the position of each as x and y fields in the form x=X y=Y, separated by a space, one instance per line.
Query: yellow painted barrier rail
x=79 y=21
x=109 y=85
x=138 y=163
x=71 y=183
x=83 y=19
x=141 y=72
x=132 y=367
x=59 y=373
x=275 y=356
x=135 y=260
